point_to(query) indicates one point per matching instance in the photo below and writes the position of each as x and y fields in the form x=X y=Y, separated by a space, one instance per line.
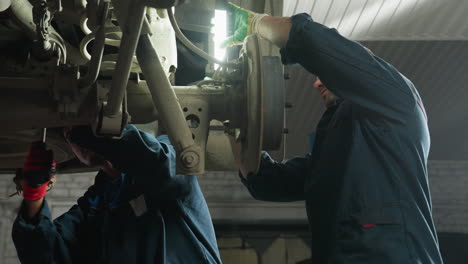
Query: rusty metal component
x=42 y=14
x=94 y=64
x=110 y=126
x=65 y=90
x=42 y=18
x=240 y=94
x=131 y=33
x=23 y=15
x=167 y=105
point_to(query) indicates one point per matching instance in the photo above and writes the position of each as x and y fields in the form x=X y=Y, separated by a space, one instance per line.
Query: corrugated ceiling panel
x=388 y=19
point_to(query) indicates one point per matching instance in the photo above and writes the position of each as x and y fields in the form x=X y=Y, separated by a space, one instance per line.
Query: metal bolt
x=188 y=159
x=286 y=76
x=288 y=105
x=285 y=131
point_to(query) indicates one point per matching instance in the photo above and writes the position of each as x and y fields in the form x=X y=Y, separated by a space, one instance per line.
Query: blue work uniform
x=365 y=183
x=149 y=215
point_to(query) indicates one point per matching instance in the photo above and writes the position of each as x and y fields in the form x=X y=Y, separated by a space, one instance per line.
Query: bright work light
x=219 y=31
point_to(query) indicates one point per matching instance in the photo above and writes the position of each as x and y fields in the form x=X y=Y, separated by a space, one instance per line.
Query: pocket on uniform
x=374 y=235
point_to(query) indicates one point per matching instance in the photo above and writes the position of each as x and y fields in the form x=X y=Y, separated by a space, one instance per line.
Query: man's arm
x=39 y=240
x=32 y=208
x=151 y=160
x=236 y=152
x=347 y=68
x=34 y=178
x=278 y=182
x=274 y=181
x=134 y=151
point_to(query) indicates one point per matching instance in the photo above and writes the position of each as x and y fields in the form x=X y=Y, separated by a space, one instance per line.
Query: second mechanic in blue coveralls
x=365 y=182
x=137 y=211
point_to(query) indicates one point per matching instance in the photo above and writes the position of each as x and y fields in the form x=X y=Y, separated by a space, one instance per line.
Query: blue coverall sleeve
x=138 y=151
x=347 y=68
x=151 y=160
x=278 y=182
x=43 y=241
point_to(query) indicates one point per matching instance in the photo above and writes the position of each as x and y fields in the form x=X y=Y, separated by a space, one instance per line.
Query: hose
x=58 y=40
x=192 y=46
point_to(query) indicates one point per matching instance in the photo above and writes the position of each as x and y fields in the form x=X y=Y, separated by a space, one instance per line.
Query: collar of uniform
x=337 y=102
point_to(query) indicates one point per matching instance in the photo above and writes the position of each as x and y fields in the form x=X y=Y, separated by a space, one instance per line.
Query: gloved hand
x=39 y=168
x=245 y=23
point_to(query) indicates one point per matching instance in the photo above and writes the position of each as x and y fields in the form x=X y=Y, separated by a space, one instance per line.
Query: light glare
x=220 y=34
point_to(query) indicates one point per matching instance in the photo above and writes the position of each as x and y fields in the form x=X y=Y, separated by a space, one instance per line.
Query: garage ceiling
x=427 y=40
x=388 y=19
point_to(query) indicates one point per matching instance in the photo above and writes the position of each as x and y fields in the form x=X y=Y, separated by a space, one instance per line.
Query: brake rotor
x=264 y=115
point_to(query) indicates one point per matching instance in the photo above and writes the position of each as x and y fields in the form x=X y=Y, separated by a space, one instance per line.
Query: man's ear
x=107 y=164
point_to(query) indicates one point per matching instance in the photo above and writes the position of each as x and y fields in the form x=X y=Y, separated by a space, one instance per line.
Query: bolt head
x=188 y=159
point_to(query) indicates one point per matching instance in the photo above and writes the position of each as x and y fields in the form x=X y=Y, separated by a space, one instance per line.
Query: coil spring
x=113 y=35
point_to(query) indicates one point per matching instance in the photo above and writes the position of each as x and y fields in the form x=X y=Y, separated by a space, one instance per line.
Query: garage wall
x=449 y=187
x=448 y=180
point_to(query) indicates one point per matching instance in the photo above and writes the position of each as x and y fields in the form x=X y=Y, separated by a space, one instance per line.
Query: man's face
x=87 y=157
x=328 y=97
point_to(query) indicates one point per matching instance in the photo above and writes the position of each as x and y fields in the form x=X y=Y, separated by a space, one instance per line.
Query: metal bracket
x=110 y=125
x=42 y=14
x=65 y=89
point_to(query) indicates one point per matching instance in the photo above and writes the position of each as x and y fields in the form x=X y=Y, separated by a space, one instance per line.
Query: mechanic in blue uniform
x=137 y=211
x=365 y=183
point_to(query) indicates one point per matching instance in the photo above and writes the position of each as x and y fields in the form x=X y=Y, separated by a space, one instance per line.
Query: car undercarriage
x=109 y=63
